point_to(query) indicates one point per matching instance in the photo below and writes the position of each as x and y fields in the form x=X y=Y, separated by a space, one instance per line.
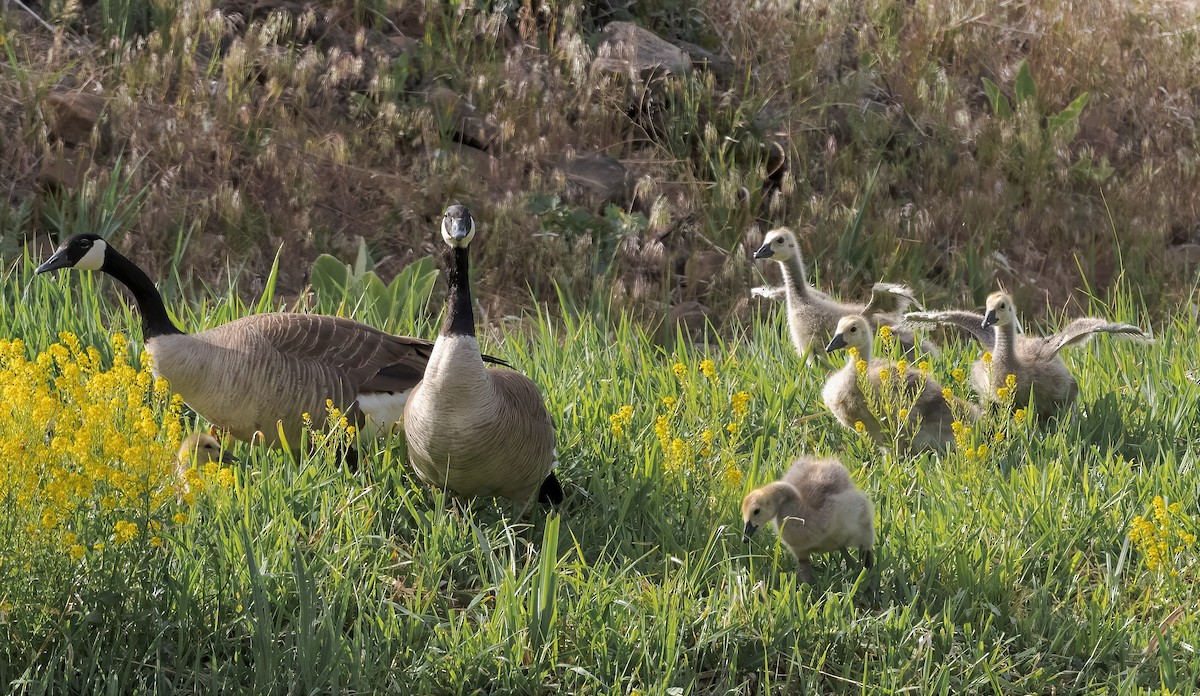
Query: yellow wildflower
x=124 y=531
x=1002 y=393
x=948 y=395
x=1019 y=415
x=901 y=367
x=885 y=375
x=987 y=357
x=860 y=427
x=981 y=451
x=708 y=368
x=180 y=518
x=958 y=374
x=76 y=551
x=740 y=403
x=1010 y=381
x=732 y=427
x=668 y=402
x=680 y=370
x=923 y=367
x=860 y=367
x=156 y=541
x=732 y=475
x=885 y=335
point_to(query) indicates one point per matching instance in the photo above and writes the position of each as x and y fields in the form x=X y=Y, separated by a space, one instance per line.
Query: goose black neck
x=155 y=321
x=460 y=316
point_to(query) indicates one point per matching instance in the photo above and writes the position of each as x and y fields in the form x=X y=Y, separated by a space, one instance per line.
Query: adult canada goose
x=917 y=392
x=472 y=430
x=813 y=315
x=1034 y=361
x=816 y=508
x=253 y=373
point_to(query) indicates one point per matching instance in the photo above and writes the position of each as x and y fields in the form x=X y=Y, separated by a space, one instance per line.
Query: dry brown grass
x=255 y=125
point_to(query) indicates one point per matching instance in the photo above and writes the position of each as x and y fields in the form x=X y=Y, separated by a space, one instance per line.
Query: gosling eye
x=1001 y=305
x=853 y=329
x=779 y=241
x=757 y=510
x=208 y=445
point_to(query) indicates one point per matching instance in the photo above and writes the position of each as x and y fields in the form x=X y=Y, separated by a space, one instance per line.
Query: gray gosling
x=262 y=373
x=929 y=413
x=816 y=508
x=813 y=315
x=475 y=431
x=1042 y=378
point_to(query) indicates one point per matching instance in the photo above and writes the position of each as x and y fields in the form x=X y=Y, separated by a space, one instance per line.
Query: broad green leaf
x=1069 y=115
x=1025 y=87
x=999 y=102
x=330 y=281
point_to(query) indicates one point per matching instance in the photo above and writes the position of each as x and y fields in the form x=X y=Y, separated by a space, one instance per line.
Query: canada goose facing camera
x=813 y=315
x=263 y=372
x=473 y=430
x=1035 y=362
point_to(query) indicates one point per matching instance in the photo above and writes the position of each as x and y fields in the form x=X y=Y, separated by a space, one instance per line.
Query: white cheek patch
x=94 y=259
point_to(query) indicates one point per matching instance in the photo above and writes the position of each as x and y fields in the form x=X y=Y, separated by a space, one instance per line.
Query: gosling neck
x=460 y=315
x=1004 y=351
x=155 y=321
x=794 y=278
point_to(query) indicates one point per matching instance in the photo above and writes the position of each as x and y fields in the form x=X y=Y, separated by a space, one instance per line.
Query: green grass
x=1011 y=574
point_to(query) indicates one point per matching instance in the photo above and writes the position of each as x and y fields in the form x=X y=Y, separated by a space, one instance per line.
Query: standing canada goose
x=262 y=373
x=472 y=430
x=1034 y=361
x=813 y=315
x=816 y=508
x=917 y=392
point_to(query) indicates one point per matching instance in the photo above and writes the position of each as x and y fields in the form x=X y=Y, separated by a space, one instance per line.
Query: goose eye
x=779 y=241
x=208 y=445
x=853 y=329
x=85 y=243
x=757 y=510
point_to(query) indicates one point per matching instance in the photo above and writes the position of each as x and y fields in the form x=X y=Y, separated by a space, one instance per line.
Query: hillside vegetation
x=1048 y=146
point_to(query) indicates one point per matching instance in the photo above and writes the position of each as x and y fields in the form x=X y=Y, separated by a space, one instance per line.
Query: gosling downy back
x=263 y=373
x=813 y=315
x=473 y=430
x=816 y=508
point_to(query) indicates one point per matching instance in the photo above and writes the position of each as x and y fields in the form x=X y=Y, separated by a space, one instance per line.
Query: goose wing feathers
x=968 y=322
x=889 y=298
x=1082 y=330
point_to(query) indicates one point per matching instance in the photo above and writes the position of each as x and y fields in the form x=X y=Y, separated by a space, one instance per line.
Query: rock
x=701 y=270
x=66 y=170
x=703 y=59
x=72 y=116
x=625 y=48
x=1185 y=254
x=472 y=128
x=601 y=178
x=693 y=317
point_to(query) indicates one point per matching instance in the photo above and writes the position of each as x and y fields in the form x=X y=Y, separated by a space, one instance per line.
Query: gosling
x=1041 y=380
x=813 y=315
x=199 y=449
x=816 y=508
x=928 y=412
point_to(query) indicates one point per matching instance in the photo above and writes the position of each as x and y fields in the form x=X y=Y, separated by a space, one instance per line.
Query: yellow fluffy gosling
x=816 y=508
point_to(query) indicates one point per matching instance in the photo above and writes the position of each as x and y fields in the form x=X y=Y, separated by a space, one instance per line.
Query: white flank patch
x=383 y=410
x=94 y=259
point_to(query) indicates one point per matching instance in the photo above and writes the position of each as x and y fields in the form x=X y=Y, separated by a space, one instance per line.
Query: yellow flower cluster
x=1163 y=538
x=85 y=450
x=620 y=420
x=885 y=336
x=708 y=368
x=740 y=402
